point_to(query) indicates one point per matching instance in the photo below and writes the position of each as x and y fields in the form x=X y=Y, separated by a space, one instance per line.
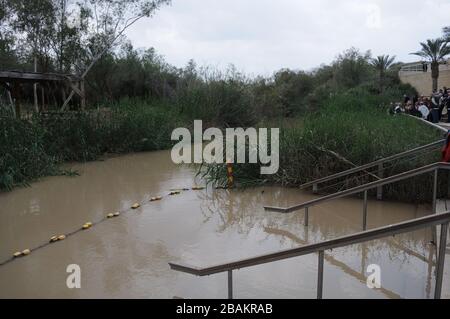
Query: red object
x=446 y=153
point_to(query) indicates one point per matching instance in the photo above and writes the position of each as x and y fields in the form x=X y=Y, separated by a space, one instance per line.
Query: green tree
x=434 y=51
x=69 y=36
x=381 y=64
x=291 y=89
x=8 y=58
x=108 y=20
x=351 y=69
x=33 y=20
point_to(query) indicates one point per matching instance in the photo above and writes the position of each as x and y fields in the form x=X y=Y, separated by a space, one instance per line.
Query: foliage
x=435 y=51
x=33 y=148
x=382 y=63
x=354 y=125
x=339 y=105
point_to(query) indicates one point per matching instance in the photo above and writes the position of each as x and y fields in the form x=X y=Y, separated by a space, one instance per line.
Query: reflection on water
x=128 y=256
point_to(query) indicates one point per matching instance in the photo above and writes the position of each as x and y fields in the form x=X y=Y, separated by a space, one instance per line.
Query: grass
x=35 y=147
x=355 y=126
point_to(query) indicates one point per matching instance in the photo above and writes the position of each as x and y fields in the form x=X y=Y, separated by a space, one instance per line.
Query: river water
x=128 y=256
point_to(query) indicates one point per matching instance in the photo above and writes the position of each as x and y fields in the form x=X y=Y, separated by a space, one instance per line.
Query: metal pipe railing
x=365 y=211
x=368 y=235
x=378 y=163
x=366 y=187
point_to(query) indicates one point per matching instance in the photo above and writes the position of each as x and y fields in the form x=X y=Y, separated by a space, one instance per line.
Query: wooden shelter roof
x=20 y=76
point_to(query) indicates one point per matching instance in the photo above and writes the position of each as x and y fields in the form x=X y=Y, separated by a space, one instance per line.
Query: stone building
x=418 y=74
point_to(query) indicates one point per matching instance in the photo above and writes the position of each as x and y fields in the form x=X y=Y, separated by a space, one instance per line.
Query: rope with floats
x=88 y=225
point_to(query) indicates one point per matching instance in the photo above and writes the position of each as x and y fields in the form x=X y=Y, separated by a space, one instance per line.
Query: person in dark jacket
x=415 y=99
x=406 y=99
x=448 y=108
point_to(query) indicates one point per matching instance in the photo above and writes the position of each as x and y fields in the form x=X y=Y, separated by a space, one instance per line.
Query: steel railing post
x=447 y=174
x=380 y=188
x=230 y=284
x=365 y=211
x=306 y=216
x=435 y=180
x=315 y=188
x=320 y=275
x=442 y=220
x=440 y=261
x=433 y=209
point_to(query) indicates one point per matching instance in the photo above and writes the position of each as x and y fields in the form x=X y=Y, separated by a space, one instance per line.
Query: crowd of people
x=434 y=108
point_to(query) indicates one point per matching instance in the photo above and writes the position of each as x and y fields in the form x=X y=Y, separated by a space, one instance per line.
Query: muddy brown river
x=128 y=256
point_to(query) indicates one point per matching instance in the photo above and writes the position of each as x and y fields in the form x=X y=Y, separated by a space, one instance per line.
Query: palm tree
x=382 y=63
x=435 y=51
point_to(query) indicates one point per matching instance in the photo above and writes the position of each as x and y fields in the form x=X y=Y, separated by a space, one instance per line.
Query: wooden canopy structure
x=12 y=81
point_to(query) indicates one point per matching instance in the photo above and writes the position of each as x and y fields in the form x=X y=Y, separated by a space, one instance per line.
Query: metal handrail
x=364 y=167
x=365 y=187
x=385 y=231
x=436 y=126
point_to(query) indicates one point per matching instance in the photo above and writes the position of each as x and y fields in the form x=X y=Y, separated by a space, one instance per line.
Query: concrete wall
x=422 y=82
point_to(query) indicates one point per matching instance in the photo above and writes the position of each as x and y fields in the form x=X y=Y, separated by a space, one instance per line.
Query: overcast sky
x=262 y=36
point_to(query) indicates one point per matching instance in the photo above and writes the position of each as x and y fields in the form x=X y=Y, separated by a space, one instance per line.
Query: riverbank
x=335 y=107
x=36 y=147
x=350 y=128
x=353 y=125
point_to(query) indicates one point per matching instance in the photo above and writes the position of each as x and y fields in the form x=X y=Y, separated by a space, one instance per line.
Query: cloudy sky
x=262 y=36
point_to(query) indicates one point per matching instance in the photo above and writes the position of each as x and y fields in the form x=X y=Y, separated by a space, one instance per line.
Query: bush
x=219 y=103
x=356 y=127
x=23 y=153
x=33 y=148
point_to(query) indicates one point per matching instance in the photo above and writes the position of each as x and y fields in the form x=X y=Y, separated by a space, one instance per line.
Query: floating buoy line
x=88 y=225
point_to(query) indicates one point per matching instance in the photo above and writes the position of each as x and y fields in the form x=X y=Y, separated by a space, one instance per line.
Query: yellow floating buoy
x=26 y=252
x=153 y=199
x=197 y=188
x=53 y=239
x=86 y=226
x=89 y=224
x=17 y=254
x=136 y=205
x=116 y=214
x=61 y=237
x=110 y=215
